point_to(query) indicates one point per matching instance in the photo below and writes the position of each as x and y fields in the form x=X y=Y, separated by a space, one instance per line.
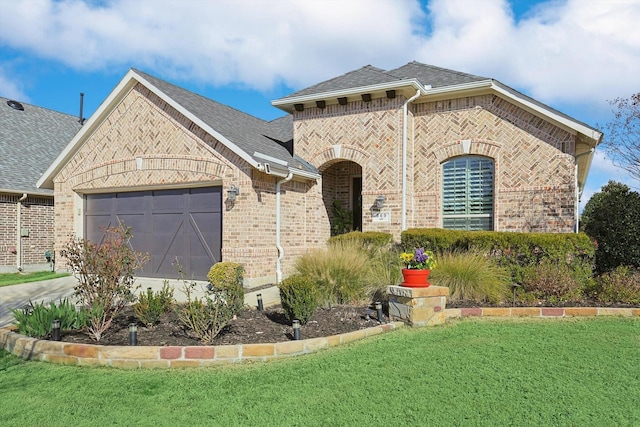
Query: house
x=31 y=138
x=418 y=146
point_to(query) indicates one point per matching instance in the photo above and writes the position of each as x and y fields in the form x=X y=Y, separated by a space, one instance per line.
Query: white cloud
x=576 y=53
x=9 y=88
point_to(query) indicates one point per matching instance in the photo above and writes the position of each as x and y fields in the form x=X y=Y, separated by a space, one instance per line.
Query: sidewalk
x=18 y=296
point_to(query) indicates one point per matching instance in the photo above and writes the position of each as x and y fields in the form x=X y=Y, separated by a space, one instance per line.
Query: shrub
x=226 y=279
x=105 y=276
x=470 y=276
x=36 y=320
x=341 y=272
x=622 y=285
x=369 y=240
x=612 y=218
x=298 y=298
x=150 y=306
x=223 y=299
x=552 y=282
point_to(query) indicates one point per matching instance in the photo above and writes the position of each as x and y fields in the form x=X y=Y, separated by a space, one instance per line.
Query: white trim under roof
x=413 y=83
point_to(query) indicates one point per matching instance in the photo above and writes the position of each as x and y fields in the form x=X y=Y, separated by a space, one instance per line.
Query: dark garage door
x=184 y=223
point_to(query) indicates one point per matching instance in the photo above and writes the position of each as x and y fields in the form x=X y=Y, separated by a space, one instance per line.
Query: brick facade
x=36 y=217
x=533 y=159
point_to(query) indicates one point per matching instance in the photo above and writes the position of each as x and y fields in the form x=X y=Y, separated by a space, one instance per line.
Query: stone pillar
x=418 y=306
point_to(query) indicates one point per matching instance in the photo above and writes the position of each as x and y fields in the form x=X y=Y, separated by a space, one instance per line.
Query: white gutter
x=346 y=92
x=404 y=158
x=578 y=194
x=18 y=233
x=278 y=221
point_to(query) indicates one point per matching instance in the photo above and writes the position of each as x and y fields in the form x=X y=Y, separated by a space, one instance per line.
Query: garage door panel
x=182 y=223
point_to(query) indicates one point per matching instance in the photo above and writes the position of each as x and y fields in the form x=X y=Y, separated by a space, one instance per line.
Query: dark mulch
x=249 y=327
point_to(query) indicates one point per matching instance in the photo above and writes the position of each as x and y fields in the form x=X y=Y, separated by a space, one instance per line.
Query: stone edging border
x=173 y=356
x=540 y=312
x=196 y=356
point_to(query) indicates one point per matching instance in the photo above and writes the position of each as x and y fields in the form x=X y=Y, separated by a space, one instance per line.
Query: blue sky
x=573 y=55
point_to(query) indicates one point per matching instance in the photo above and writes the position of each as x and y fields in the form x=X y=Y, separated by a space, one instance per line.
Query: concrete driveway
x=18 y=296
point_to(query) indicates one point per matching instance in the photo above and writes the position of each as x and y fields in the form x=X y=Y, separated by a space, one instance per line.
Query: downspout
x=578 y=192
x=278 y=221
x=18 y=233
x=404 y=159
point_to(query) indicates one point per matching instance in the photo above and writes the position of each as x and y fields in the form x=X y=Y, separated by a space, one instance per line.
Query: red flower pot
x=414 y=278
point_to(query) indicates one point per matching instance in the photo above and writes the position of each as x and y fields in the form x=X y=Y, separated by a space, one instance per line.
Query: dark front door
x=356 y=202
x=182 y=224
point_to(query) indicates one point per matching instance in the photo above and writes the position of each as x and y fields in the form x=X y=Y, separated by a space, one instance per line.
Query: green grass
x=466 y=373
x=7 y=279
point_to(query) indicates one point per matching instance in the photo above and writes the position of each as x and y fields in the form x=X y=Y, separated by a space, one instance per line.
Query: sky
x=573 y=55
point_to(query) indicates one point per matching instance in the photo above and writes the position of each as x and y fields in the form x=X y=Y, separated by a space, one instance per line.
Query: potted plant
x=417 y=267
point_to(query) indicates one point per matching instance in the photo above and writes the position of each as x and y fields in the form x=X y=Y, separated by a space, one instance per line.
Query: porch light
x=379 y=203
x=232 y=193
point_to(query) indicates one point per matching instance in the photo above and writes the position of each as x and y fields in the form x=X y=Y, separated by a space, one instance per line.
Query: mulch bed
x=249 y=327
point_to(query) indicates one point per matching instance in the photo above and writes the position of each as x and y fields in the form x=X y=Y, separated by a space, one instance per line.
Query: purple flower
x=420 y=256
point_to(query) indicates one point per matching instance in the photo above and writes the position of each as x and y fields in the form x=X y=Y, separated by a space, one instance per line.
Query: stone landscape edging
x=195 y=356
x=61 y=352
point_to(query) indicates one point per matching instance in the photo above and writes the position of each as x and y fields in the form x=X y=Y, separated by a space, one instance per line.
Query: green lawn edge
x=10 y=279
x=471 y=372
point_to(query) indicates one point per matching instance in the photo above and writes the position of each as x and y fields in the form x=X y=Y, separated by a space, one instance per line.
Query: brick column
x=418 y=306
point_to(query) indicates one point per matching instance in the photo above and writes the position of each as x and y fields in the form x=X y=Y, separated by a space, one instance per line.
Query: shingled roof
x=30 y=139
x=249 y=133
x=427 y=75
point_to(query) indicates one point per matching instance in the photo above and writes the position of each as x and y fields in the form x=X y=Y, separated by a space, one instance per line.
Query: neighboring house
x=419 y=146
x=30 y=139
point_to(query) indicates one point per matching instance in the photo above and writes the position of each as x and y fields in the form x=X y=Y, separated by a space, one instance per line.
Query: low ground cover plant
x=36 y=319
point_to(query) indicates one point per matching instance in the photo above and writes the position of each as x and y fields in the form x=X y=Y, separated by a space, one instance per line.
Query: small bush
x=150 y=306
x=105 y=276
x=226 y=279
x=622 y=285
x=205 y=317
x=341 y=272
x=36 y=320
x=552 y=282
x=470 y=276
x=298 y=297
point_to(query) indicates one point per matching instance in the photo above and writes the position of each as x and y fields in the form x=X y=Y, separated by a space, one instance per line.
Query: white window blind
x=468 y=193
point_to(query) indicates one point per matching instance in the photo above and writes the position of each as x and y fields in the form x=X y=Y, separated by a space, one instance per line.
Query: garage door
x=184 y=223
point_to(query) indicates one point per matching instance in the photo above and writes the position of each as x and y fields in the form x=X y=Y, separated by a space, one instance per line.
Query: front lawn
x=7 y=279
x=536 y=372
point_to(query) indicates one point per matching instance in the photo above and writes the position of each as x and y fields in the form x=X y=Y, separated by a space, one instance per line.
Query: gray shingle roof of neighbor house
x=30 y=139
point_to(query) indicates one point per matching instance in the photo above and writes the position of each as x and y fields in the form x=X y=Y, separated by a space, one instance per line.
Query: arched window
x=467 y=193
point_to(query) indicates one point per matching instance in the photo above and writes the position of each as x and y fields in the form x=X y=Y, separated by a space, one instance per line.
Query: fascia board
x=566 y=123
x=304 y=174
x=415 y=84
x=28 y=192
x=120 y=91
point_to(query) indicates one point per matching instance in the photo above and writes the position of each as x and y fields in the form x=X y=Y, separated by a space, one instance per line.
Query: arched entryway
x=342 y=195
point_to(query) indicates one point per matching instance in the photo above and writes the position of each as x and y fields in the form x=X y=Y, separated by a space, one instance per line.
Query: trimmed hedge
x=514 y=251
x=368 y=239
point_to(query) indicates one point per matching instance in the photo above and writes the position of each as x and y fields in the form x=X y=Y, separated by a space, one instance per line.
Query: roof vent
x=15 y=105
